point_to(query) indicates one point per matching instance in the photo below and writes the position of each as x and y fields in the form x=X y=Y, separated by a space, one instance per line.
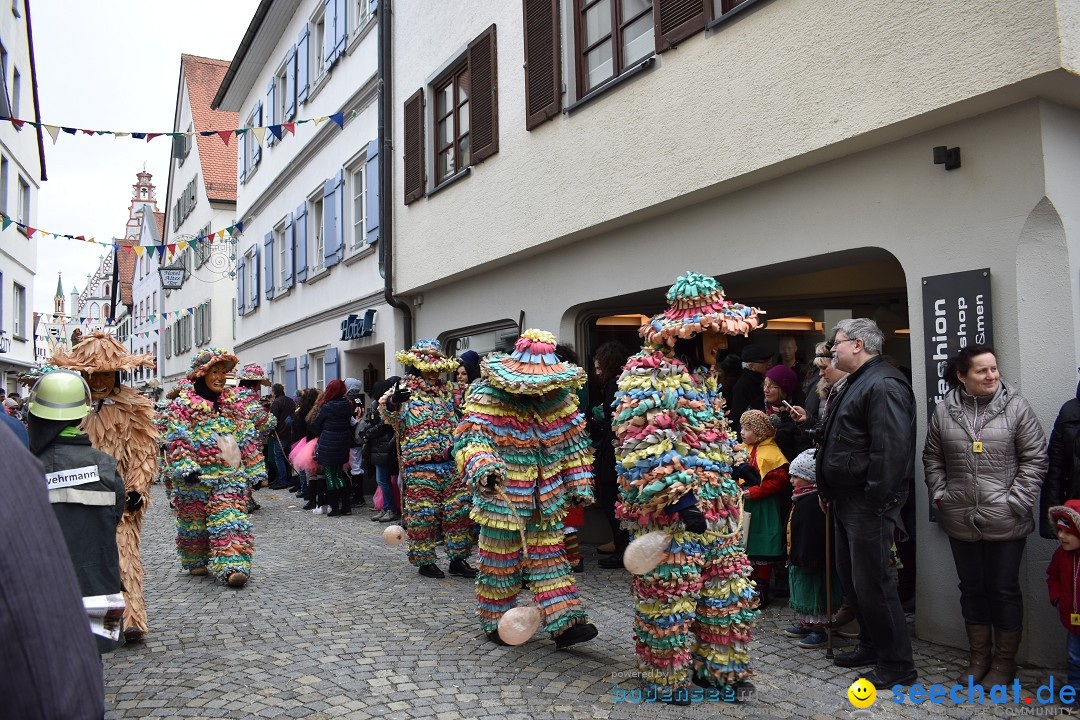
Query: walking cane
x=828 y=580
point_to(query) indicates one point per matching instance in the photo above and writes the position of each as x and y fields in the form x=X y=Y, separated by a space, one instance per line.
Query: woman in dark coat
x=333 y=427
x=1063 y=473
x=381 y=444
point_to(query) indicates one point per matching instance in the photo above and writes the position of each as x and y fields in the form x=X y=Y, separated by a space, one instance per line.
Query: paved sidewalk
x=335 y=624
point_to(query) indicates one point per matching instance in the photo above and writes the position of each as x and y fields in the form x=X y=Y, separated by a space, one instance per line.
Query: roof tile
x=203 y=77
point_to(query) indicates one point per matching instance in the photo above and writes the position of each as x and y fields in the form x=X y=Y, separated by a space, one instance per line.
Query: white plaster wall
x=791 y=83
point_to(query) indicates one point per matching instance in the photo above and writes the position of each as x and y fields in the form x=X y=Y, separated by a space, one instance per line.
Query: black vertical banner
x=956 y=314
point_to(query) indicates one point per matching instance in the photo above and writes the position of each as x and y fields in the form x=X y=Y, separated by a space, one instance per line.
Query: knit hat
x=101 y=352
x=1066 y=517
x=804 y=466
x=470 y=356
x=758 y=423
x=253 y=372
x=755 y=354
x=696 y=304
x=533 y=368
x=785 y=377
x=427 y=356
x=201 y=362
x=11 y=403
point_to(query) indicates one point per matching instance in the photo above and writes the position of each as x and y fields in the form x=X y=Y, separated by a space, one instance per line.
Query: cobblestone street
x=334 y=623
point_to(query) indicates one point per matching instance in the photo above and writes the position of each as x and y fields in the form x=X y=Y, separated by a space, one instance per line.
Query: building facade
x=22 y=170
x=201 y=200
x=563 y=161
x=310 y=304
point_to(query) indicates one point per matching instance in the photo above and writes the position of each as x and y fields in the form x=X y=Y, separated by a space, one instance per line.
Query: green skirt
x=807 y=589
x=765 y=541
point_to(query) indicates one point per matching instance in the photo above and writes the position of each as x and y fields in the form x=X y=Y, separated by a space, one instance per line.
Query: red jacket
x=1061 y=581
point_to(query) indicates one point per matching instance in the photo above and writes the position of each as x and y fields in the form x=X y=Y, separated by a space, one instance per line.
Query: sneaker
x=326 y=509
x=461 y=568
x=797 y=631
x=432 y=571
x=391 y=517
x=816 y=638
x=318 y=510
x=377 y=517
x=575 y=634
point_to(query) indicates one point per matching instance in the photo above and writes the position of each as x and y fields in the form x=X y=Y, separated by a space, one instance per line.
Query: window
x=722 y=7
x=153 y=303
x=452 y=123
x=252 y=269
x=203 y=248
x=279 y=371
x=18 y=311
x=318 y=370
x=16 y=92
x=182 y=149
x=5 y=104
x=315 y=232
x=282 y=250
x=24 y=201
x=318 y=47
x=251 y=152
x=359 y=205
x=166 y=342
x=4 y=169
x=612 y=36
x=361 y=10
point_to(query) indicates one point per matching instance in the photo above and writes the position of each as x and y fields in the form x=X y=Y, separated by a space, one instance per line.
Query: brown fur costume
x=122 y=425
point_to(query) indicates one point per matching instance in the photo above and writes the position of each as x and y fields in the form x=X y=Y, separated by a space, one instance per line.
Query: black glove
x=134 y=501
x=401 y=395
x=747 y=473
x=489 y=482
x=192 y=477
x=693 y=519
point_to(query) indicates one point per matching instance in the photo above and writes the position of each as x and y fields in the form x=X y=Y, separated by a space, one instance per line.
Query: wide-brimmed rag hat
x=532 y=368
x=202 y=361
x=784 y=377
x=804 y=466
x=101 y=352
x=1066 y=517
x=253 y=372
x=758 y=423
x=427 y=356
x=696 y=304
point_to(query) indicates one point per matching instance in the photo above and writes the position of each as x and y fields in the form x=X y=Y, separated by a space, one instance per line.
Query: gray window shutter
x=290 y=243
x=373 y=6
x=330 y=364
x=268 y=259
x=330 y=223
x=240 y=297
x=209 y=322
x=290 y=376
x=300 y=240
x=290 y=85
x=341 y=29
x=302 y=51
x=271 y=110
x=373 y=191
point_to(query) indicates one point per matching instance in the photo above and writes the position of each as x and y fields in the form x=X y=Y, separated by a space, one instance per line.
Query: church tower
x=58 y=301
x=143 y=197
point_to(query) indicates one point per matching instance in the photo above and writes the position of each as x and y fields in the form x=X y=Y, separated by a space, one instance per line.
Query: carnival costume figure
x=695 y=611
x=423 y=409
x=208 y=431
x=524 y=449
x=121 y=424
x=250 y=378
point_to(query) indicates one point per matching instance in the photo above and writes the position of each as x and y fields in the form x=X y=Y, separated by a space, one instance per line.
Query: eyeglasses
x=837 y=342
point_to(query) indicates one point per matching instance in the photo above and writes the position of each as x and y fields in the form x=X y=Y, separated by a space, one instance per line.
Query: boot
x=979 y=644
x=346 y=504
x=333 y=499
x=1003 y=667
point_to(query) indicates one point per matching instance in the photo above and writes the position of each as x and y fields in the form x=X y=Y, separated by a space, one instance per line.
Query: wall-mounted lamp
x=947 y=156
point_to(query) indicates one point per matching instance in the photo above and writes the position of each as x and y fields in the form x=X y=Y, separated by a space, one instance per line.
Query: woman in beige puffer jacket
x=984 y=462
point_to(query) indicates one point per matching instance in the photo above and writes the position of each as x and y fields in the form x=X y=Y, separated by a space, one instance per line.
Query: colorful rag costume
x=435 y=499
x=212 y=526
x=674 y=451
x=122 y=425
x=523 y=448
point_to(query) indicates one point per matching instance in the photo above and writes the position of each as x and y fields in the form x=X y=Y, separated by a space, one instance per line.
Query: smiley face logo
x=862 y=693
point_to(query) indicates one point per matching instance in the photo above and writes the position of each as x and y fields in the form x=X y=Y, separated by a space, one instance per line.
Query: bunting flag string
x=216 y=236
x=260 y=131
x=105 y=322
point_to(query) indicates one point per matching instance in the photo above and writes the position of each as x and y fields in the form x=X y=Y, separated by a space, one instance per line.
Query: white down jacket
x=986 y=495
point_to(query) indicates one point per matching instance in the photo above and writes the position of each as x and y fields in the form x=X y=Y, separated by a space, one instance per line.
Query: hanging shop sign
x=172 y=278
x=355 y=327
x=5 y=342
x=956 y=314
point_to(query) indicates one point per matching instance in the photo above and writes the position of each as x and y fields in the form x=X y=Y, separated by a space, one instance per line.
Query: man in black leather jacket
x=865 y=466
x=1063 y=473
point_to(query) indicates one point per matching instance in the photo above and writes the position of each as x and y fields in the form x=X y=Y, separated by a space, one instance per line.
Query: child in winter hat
x=1062 y=582
x=765 y=537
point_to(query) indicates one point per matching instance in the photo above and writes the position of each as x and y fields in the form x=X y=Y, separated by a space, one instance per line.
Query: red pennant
x=80 y=237
x=30 y=231
x=17 y=123
x=151 y=136
x=87 y=132
x=290 y=126
x=172 y=248
x=225 y=135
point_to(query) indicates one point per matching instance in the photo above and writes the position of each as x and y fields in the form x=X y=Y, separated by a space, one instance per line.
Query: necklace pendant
x=976 y=447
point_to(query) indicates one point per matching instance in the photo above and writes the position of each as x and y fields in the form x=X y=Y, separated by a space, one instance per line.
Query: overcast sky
x=111 y=66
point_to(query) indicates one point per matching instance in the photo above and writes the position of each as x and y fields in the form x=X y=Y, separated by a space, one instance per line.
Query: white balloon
x=646 y=552
x=519 y=624
x=230 y=451
x=393 y=535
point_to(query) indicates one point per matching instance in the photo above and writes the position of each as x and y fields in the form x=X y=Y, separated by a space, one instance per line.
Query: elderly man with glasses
x=865 y=466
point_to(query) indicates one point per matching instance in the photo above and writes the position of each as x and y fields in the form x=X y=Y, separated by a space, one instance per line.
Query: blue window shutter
x=269 y=371
x=290 y=243
x=290 y=85
x=341 y=29
x=339 y=190
x=373 y=191
x=271 y=110
x=302 y=52
x=256 y=154
x=240 y=297
x=300 y=246
x=373 y=5
x=330 y=364
x=254 y=290
x=268 y=258
x=330 y=224
x=290 y=376
x=329 y=36
x=303 y=371
x=241 y=148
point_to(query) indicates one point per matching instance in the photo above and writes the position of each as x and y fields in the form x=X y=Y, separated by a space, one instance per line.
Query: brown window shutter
x=483 y=96
x=414 y=146
x=543 y=71
x=677 y=20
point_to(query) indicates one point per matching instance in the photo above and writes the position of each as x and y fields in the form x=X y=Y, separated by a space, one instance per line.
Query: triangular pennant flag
x=240 y=131
x=151 y=136
x=17 y=123
x=120 y=134
x=103 y=132
x=220 y=235
x=290 y=126
x=319 y=120
x=7 y=222
x=87 y=132
x=339 y=118
x=275 y=130
x=138 y=136
x=29 y=231
x=139 y=250
x=182 y=245
x=239 y=226
x=53 y=130
x=260 y=133
x=225 y=135
x=208 y=133
x=172 y=248
x=150 y=250
x=69 y=131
